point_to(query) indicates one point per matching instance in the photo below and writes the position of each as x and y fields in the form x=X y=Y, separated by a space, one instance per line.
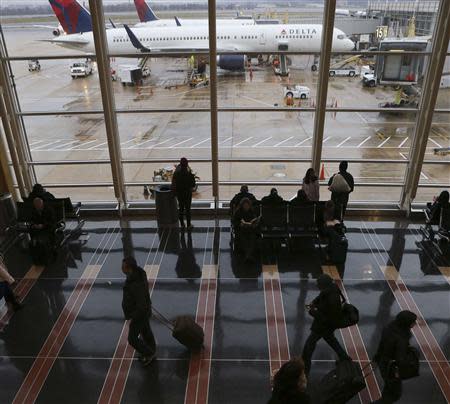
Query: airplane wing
x=45 y=26
x=66 y=40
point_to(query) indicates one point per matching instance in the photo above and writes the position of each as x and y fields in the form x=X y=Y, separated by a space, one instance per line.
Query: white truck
x=81 y=69
x=347 y=71
x=369 y=79
x=297 y=91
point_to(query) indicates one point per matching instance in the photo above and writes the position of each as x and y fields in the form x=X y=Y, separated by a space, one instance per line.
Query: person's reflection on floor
x=150 y=389
x=398 y=245
x=187 y=266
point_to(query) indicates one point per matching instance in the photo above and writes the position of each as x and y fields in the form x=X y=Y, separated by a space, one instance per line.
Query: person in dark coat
x=273 y=198
x=326 y=310
x=137 y=307
x=434 y=209
x=243 y=193
x=245 y=224
x=340 y=199
x=39 y=191
x=289 y=384
x=300 y=199
x=6 y=282
x=391 y=352
x=42 y=231
x=183 y=183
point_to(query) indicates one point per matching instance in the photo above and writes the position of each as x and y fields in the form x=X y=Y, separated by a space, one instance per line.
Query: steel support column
x=440 y=38
x=11 y=144
x=213 y=102
x=109 y=106
x=322 y=87
x=6 y=178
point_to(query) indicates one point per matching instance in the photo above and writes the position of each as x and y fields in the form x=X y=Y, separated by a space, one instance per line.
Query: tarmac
x=275 y=135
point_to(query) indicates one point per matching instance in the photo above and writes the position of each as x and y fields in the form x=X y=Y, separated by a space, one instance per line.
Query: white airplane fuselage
x=245 y=39
x=192 y=22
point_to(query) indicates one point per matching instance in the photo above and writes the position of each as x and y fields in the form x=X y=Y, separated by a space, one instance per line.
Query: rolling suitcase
x=342 y=383
x=184 y=329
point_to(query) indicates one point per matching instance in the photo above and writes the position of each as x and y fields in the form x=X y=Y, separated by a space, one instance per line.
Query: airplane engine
x=231 y=62
x=58 y=31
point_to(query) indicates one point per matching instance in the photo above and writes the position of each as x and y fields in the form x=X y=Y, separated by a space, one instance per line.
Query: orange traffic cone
x=322 y=173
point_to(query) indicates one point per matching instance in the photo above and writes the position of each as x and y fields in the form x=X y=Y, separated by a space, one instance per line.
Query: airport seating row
x=439 y=232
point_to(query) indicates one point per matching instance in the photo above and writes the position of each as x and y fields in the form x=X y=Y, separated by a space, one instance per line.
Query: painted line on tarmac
x=65 y=144
x=262 y=141
x=97 y=145
x=404 y=157
x=183 y=141
x=402 y=143
x=423 y=175
x=259 y=102
x=340 y=144
x=199 y=143
x=327 y=139
x=364 y=141
x=128 y=141
x=436 y=143
x=165 y=141
x=226 y=140
x=284 y=141
x=237 y=144
x=78 y=147
x=46 y=145
x=303 y=141
x=384 y=142
x=362 y=118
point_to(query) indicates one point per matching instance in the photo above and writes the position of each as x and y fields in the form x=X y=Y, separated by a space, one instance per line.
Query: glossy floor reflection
x=60 y=347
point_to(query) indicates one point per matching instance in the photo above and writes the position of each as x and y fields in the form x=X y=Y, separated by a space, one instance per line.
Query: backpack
x=339 y=184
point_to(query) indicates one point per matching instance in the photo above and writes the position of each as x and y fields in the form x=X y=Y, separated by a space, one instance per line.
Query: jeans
x=184 y=208
x=140 y=337
x=310 y=346
x=340 y=201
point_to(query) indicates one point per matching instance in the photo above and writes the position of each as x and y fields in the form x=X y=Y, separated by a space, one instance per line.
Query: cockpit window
x=341 y=36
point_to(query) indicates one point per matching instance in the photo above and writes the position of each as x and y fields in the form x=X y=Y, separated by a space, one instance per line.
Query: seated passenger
x=300 y=199
x=40 y=192
x=42 y=231
x=311 y=185
x=243 y=193
x=329 y=215
x=434 y=209
x=245 y=224
x=289 y=384
x=273 y=198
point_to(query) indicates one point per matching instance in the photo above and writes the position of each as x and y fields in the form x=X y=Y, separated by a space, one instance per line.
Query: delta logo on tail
x=145 y=13
x=72 y=16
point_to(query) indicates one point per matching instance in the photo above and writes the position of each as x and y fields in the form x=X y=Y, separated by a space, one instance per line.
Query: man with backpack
x=341 y=186
x=394 y=356
x=137 y=307
x=327 y=312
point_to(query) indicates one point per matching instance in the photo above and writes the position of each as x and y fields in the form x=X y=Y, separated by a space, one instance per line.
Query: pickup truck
x=81 y=69
x=297 y=91
x=350 y=72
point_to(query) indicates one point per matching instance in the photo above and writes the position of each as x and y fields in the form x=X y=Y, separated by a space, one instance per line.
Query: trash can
x=166 y=206
x=8 y=212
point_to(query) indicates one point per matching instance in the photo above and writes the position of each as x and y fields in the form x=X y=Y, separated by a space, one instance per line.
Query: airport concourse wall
x=261 y=140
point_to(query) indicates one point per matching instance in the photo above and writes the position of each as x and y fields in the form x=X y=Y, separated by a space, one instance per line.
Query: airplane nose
x=350 y=45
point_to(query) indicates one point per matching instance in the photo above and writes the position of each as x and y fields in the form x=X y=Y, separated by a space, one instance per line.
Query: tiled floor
x=67 y=346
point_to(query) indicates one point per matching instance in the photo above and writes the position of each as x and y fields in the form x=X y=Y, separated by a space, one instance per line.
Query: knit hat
x=405 y=319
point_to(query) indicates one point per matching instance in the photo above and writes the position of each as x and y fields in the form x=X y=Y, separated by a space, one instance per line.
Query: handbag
x=339 y=184
x=409 y=366
x=349 y=314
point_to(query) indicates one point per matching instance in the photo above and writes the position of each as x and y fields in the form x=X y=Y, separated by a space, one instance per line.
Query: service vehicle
x=297 y=91
x=81 y=69
x=34 y=65
x=348 y=71
x=369 y=79
x=145 y=71
x=129 y=75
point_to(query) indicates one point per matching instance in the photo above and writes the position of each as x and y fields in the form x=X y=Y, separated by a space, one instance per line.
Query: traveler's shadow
x=242 y=269
x=186 y=266
x=150 y=389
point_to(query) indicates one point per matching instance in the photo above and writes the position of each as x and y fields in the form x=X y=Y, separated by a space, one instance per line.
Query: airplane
x=73 y=17
x=148 y=18
x=246 y=40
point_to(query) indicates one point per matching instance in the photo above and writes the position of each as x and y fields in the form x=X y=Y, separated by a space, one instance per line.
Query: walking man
x=137 y=307
x=326 y=310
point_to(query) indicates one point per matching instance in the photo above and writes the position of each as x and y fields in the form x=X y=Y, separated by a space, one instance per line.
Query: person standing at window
x=183 y=184
x=341 y=186
x=311 y=185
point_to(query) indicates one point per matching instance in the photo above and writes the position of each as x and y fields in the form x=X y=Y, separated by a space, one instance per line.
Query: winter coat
x=136 y=303
x=312 y=190
x=272 y=199
x=183 y=181
x=394 y=342
x=241 y=195
x=326 y=310
x=290 y=397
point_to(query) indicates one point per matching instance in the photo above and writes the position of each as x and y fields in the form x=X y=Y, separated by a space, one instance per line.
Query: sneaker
x=147 y=360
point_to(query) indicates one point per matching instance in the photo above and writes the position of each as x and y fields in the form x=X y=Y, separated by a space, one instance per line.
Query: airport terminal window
x=172 y=85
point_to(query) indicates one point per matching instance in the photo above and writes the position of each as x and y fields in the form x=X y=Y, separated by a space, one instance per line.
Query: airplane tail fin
x=73 y=17
x=145 y=13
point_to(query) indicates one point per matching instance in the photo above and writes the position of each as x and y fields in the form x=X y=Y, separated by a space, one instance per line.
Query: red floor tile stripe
x=116 y=379
x=275 y=319
x=355 y=346
x=21 y=290
x=197 y=388
x=44 y=361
